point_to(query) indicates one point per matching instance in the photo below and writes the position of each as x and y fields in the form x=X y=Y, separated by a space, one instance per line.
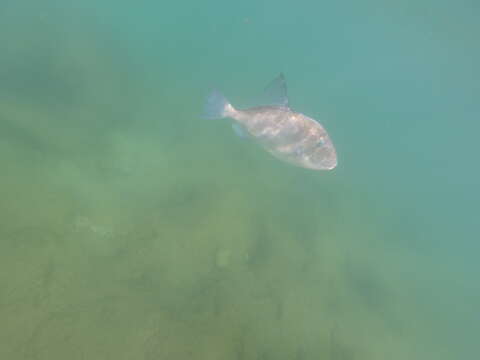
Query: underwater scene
x=344 y=226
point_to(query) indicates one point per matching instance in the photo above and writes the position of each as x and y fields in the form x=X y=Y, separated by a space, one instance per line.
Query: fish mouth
x=324 y=166
x=324 y=158
x=331 y=166
x=332 y=163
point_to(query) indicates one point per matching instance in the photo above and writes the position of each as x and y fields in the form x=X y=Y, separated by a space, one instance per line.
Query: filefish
x=286 y=134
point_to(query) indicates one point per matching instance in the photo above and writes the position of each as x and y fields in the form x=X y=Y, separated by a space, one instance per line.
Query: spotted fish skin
x=288 y=135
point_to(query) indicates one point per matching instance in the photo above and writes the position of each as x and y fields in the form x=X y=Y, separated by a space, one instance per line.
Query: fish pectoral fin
x=276 y=92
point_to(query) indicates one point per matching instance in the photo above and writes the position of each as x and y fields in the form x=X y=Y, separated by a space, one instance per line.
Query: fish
x=286 y=134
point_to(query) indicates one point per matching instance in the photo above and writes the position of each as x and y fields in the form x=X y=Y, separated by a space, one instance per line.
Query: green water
x=132 y=229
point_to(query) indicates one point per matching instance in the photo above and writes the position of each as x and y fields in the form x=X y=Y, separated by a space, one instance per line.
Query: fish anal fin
x=239 y=130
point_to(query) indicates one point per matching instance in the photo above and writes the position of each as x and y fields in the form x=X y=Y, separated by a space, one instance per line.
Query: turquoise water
x=132 y=229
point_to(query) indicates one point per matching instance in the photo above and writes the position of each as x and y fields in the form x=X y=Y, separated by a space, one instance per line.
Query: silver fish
x=286 y=134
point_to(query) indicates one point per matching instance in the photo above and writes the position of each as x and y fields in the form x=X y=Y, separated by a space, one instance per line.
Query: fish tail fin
x=216 y=106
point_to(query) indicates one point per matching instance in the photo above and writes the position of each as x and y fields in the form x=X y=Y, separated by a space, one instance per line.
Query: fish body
x=288 y=135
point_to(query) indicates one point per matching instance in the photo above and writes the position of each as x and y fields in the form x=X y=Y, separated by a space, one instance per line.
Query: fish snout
x=324 y=157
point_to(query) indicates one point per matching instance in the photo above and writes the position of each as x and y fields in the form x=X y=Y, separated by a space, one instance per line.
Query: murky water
x=132 y=229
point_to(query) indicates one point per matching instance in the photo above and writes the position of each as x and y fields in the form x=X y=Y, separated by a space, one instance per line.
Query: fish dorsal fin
x=276 y=92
